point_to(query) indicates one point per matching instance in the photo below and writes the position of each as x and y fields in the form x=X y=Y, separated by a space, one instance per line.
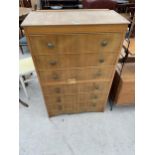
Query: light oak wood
x=67 y=29
x=67 y=103
x=53 y=61
x=131 y=48
x=74 y=44
x=123 y=89
x=78 y=74
x=75 y=64
x=96 y=87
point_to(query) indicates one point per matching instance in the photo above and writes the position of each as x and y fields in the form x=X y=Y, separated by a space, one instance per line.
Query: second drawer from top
x=74 y=60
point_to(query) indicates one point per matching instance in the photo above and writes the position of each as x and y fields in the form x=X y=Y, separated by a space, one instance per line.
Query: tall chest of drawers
x=75 y=53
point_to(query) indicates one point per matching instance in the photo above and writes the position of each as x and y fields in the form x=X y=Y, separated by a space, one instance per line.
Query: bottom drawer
x=78 y=108
x=61 y=104
x=91 y=107
x=84 y=102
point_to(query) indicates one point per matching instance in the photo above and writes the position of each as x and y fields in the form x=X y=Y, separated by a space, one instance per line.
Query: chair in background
x=22 y=42
x=26 y=67
x=25 y=3
x=99 y=4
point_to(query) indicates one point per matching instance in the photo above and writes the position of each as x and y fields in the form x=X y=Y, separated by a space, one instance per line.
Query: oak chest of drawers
x=75 y=53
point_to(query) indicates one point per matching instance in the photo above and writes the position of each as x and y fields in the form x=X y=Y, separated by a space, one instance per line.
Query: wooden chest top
x=74 y=17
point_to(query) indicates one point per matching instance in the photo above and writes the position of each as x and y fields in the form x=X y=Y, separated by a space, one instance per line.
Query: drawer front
x=91 y=107
x=91 y=59
x=44 y=44
x=50 y=62
x=95 y=73
x=75 y=60
x=61 y=102
x=59 y=89
x=91 y=102
x=75 y=43
x=74 y=75
x=53 y=76
x=61 y=99
x=92 y=97
x=93 y=87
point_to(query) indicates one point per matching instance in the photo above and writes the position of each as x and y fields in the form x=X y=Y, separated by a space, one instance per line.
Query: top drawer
x=75 y=43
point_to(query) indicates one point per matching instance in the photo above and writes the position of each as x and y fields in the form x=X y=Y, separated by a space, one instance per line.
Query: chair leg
x=21 y=49
x=23 y=85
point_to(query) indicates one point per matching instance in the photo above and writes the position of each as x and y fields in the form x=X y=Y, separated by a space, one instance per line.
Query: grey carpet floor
x=108 y=133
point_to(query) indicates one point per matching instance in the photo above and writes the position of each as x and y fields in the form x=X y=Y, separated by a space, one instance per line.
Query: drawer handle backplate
x=95 y=97
x=94 y=102
x=97 y=87
x=101 y=60
x=55 y=77
x=104 y=43
x=53 y=62
x=99 y=73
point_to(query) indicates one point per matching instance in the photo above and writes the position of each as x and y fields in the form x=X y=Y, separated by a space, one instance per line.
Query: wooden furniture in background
x=75 y=53
x=99 y=4
x=123 y=88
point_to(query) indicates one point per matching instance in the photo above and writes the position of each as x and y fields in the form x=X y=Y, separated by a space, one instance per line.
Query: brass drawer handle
x=55 y=77
x=99 y=73
x=95 y=97
x=50 y=45
x=53 y=62
x=94 y=103
x=97 y=87
x=104 y=43
x=101 y=60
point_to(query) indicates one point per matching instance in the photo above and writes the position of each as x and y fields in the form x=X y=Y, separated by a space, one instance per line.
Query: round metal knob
x=104 y=43
x=53 y=62
x=50 y=45
x=55 y=77
x=94 y=103
x=99 y=73
x=101 y=60
x=97 y=87
x=95 y=97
